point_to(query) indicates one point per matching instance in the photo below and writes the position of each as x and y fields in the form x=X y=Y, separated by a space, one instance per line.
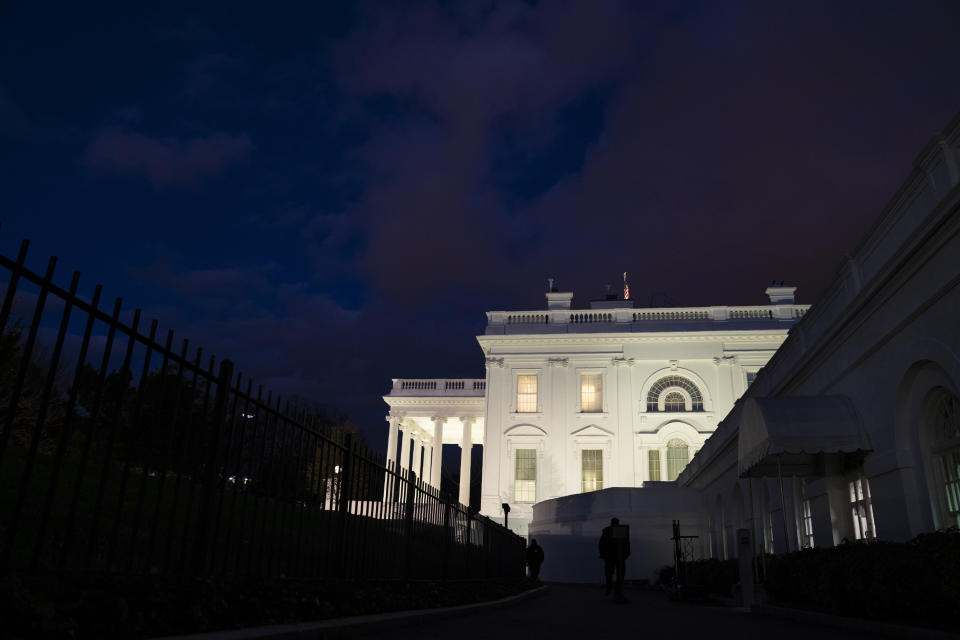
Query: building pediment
x=524 y=430
x=592 y=430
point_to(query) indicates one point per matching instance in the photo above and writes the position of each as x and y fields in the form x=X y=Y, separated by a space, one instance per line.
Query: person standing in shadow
x=534 y=559
x=615 y=549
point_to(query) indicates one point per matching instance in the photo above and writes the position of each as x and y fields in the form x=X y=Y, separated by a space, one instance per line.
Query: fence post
x=446 y=540
x=210 y=472
x=343 y=504
x=467 y=545
x=408 y=523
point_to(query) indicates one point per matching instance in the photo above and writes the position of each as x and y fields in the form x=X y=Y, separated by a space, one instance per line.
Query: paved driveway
x=575 y=611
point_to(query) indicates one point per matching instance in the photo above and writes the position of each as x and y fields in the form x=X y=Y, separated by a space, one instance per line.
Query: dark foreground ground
x=574 y=611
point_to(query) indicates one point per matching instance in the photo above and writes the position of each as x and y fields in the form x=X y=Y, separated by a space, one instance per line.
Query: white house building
x=579 y=400
x=804 y=429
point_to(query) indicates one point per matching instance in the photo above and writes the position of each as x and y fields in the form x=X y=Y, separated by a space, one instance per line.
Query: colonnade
x=409 y=442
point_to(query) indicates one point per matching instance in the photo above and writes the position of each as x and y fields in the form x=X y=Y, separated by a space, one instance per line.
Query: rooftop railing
x=438 y=387
x=643 y=319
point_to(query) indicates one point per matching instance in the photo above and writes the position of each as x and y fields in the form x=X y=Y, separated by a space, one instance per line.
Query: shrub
x=713 y=576
x=916 y=582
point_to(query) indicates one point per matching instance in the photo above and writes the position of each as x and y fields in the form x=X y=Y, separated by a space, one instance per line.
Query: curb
x=356 y=625
x=884 y=629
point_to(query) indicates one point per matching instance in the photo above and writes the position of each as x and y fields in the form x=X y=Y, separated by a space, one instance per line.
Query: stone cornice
x=498 y=340
x=435 y=401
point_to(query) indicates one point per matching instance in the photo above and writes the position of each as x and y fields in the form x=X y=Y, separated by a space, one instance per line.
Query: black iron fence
x=124 y=451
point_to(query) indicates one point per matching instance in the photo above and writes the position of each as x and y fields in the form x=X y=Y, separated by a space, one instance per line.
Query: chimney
x=557 y=300
x=780 y=294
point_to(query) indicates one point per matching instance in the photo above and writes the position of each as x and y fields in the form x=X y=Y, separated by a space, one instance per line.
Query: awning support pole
x=783 y=504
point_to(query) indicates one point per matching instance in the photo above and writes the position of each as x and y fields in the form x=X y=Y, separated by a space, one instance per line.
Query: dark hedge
x=915 y=582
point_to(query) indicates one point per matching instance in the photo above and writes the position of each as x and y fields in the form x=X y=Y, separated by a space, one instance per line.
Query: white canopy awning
x=790 y=435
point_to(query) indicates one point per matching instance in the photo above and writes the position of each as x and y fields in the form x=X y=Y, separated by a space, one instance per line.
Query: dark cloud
x=418 y=165
x=731 y=137
x=166 y=162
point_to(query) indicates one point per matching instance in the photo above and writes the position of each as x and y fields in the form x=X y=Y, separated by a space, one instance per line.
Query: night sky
x=333 y=194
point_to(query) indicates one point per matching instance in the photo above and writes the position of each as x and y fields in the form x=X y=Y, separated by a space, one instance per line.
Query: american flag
x=626 y=287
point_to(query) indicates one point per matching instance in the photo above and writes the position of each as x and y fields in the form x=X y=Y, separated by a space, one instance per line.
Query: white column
x=407 y=443
x=437 y=451
x=498 y=392
x=466 y=444
x=643 y=468
x=418 y=456
x=392 y=439
x=392 y=442
x=624 y=459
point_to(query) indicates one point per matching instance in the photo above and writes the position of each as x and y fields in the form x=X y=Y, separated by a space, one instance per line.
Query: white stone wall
x=569 y=530
x=716 y=362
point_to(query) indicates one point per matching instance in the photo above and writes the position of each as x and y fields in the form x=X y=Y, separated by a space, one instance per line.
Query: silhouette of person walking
x=615 y=549
x=534 y=559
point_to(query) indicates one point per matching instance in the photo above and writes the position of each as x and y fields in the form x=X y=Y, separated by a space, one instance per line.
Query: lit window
x=674 y=401
x=527 y=394
x=767 y=531
x=950 y=468
x=591 y=392
x=806 y=518
x=861 y=509
x=663 y=386
x=946 y=430
x=653 y=457
x=525 y=476
x=768 y=545
x=592 y=470
x=678 y=455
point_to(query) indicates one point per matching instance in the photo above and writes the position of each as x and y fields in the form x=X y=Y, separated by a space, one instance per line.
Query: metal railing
x=630 y=319
x=438 y=387
x=121 y=452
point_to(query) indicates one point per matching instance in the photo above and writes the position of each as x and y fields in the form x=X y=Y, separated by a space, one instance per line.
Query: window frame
x=603 y=387
x=860 y=503
x=523 y=441
x=945 y=456
x=686 y=446
x=516 y=480
x=675 y=382
x=653 y=455
x=804 y=516
x=601 y=455
x=515 y=406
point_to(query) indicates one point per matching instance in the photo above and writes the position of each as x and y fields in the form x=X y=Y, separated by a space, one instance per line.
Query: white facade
x=622 y=395
x=630 y=393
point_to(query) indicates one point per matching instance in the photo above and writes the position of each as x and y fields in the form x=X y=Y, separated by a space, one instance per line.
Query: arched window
x=674 y=401
x=946 y=452
x=674 y=387
x=678 y=455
